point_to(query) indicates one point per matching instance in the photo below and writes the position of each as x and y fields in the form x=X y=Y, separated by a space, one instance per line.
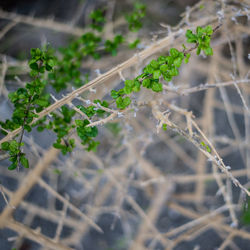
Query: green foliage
x=69 y=61
x=92 y=110
x=204 y=145
x=68 y=68
x=27 y=102
x=165 y=67
x=97 y=19
x=164 y=126
x=111 y=46
x=201 y=39
x=245 y=217
x=87 y=134
x=32 y=99
x=134 y=19
x=16 y=156
x=134 y=44
x=122 y=103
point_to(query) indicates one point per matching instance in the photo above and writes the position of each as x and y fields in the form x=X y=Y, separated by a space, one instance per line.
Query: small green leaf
x=157 y=87
x=41 y=102
x=156 y=74
x=122 y=103
x=209 y=30
x=164 y=126
x=5 y=146
x=191 y=38
x=137 y=86
x=58 y=145
x=163 y=68
x=14 y=146
x=208 y=51
x=148 y=69
x=24 y=161
x=134 y=44
x=208 y=149
x=154 y=64
x=177 y=62
x=174 y=52
x=13 y=166
x=27 y=127
x=126 y=101
x=79 y=123
x=186 y=60
x=114 y=94
x=128 y=90
x=129 y=83
x=34 y=66
x=146 y=83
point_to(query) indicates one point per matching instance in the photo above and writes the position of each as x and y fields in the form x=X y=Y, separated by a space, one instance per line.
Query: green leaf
x=146 y=83
x=156 y=74
x=34 y=66
x=122 y=103
x=191 y=38
x=137 y=86
x=198 y=51
x=157 y=87
x=51 y=63
x=148 y=69
x=5 y=146
x=79 y=123
x=118 y=39
x=208 y=29
x=208 y=51
x=126 y=101
x=127 y=90
x=154 y=64
x=58 y=145
x=13 y=166
x=174 y=52
x=24 y=161
x=72 y=142
x=14 y=146
x=40 y=128
x=174 y=72
x=27 y=127
x=93 y=146
x=208 y=149
x=114 y=94
x=186 y=60
x=161 y=59
x=129 y=83
x=164 y=126
x=41 y=102
x=134 y=44
x=177 y=62
x=163 y=68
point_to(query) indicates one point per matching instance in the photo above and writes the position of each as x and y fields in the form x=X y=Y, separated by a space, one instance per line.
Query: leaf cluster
x=165 y=67
x=16 y=156
x=134 y=19
x=90 y=44
x=201 y=39
x=97 y=20
x=27 y=103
